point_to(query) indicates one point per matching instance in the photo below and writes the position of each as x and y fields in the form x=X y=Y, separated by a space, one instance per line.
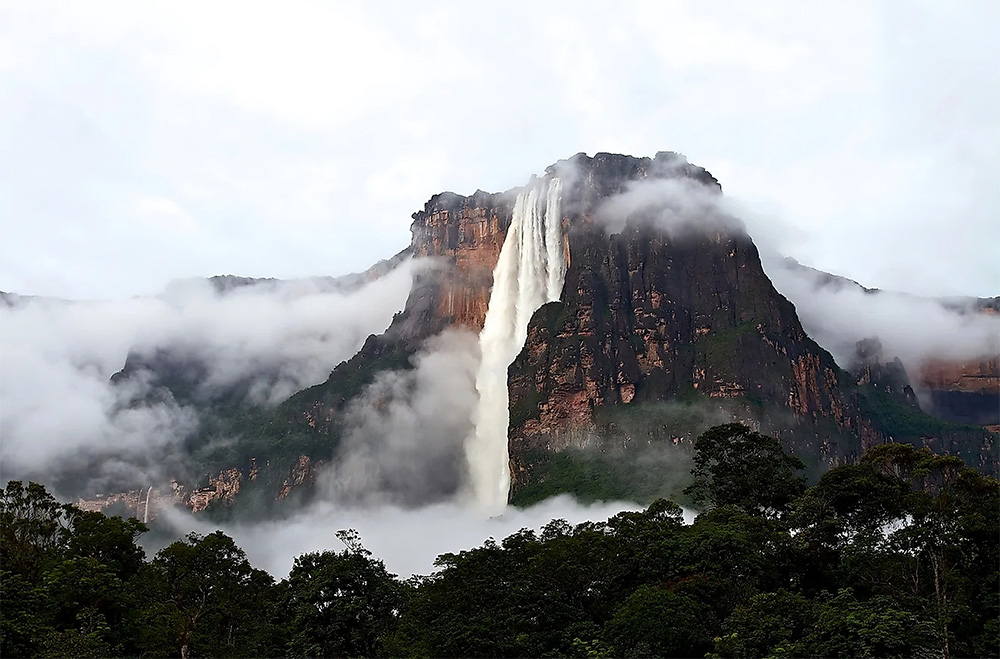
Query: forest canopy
x=896 y=555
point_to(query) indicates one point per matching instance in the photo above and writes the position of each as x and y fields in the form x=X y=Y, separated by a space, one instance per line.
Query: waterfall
x=530 y=272
x=145 y=515
x=554 y=252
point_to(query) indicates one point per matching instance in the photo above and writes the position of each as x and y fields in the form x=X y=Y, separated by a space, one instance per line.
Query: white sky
x=142 y=142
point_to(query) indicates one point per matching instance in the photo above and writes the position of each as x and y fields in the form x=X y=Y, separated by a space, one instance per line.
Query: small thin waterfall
x=530 y=272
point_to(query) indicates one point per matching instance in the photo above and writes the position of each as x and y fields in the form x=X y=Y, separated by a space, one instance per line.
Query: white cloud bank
x=403 y=440
x=836 y=314
x=58 y=403
x=915 y=329
x=407 y=540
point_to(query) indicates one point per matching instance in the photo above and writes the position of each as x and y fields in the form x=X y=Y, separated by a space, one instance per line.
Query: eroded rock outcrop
x=871 y=368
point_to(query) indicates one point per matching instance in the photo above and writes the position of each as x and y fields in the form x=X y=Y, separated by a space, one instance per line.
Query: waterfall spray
x=530 y=272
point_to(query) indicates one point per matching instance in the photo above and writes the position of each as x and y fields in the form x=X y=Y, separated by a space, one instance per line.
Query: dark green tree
x=86 y=639
x=850 y=503
x=111 y=541
x=953 y=536
x=735 y=466
x=83 y=595
x=208 y=595
x=655 y=622
x=785 y=624
x=729 y=555
x=21 y=620
x=34 y=528
x=478 y=604
x=770 y=625
x=340 y=604
x=840 y=526
x=64 y=573
x=879 y=627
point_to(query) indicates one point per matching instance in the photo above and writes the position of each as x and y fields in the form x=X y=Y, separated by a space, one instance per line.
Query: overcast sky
x=142 y=142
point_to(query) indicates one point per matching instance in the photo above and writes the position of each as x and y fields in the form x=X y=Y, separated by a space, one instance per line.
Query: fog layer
x=58 y=358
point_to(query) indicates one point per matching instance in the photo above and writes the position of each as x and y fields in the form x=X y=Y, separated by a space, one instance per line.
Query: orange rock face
x=225 y=487
x=147 y=503
x=144 y=504
x=133 y=500
x=300 y=474
x=464 y=235
x=964 y=392
x=981 y=375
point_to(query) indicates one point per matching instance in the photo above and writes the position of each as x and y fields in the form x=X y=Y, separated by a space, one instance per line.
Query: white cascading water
x=145 y=515
x=530 y=272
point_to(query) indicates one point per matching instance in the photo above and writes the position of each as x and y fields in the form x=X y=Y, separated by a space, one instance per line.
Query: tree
x=736 y=466
x=954 y=536
x=729 y=555
x=34 y=528
x=206 y=587
x=64 y=571
x=644 y=547
x=769 y=625
x=784 y=624
x=111 y=541
x=657 y=622
x=21 y=624
x=841 y=525
x=850 y=502
x=478 y=604
x=340 y=604
x=82 y=591
x=879 y=627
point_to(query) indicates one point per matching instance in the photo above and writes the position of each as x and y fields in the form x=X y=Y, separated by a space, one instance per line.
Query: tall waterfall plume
x=530 y=272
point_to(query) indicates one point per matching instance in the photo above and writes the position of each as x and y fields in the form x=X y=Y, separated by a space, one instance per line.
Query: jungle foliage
x=897 y=555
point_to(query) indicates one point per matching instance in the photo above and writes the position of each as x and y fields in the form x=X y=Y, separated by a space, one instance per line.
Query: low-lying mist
x=60 y=407
x=408 y=540
x=404 y=434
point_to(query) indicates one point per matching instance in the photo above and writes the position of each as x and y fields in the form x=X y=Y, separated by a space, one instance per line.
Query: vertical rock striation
x=464 y=236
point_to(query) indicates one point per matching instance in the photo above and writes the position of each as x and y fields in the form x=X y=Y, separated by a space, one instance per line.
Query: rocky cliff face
x=965 y=392
x=873 y=369
x=651 y=314
x=660 y=303
x=961 y=390
x=460 y=236
x=464 y=236
x=648 y=314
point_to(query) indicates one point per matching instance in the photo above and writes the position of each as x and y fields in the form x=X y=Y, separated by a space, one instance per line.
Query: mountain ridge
x=690 y=319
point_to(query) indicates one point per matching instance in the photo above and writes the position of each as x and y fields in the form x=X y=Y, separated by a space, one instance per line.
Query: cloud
x=408 y=540
x=674 y=205
x=289 y=152
x=404 y=435
x=60 y=408
x=836 y=314
x=913 y=328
